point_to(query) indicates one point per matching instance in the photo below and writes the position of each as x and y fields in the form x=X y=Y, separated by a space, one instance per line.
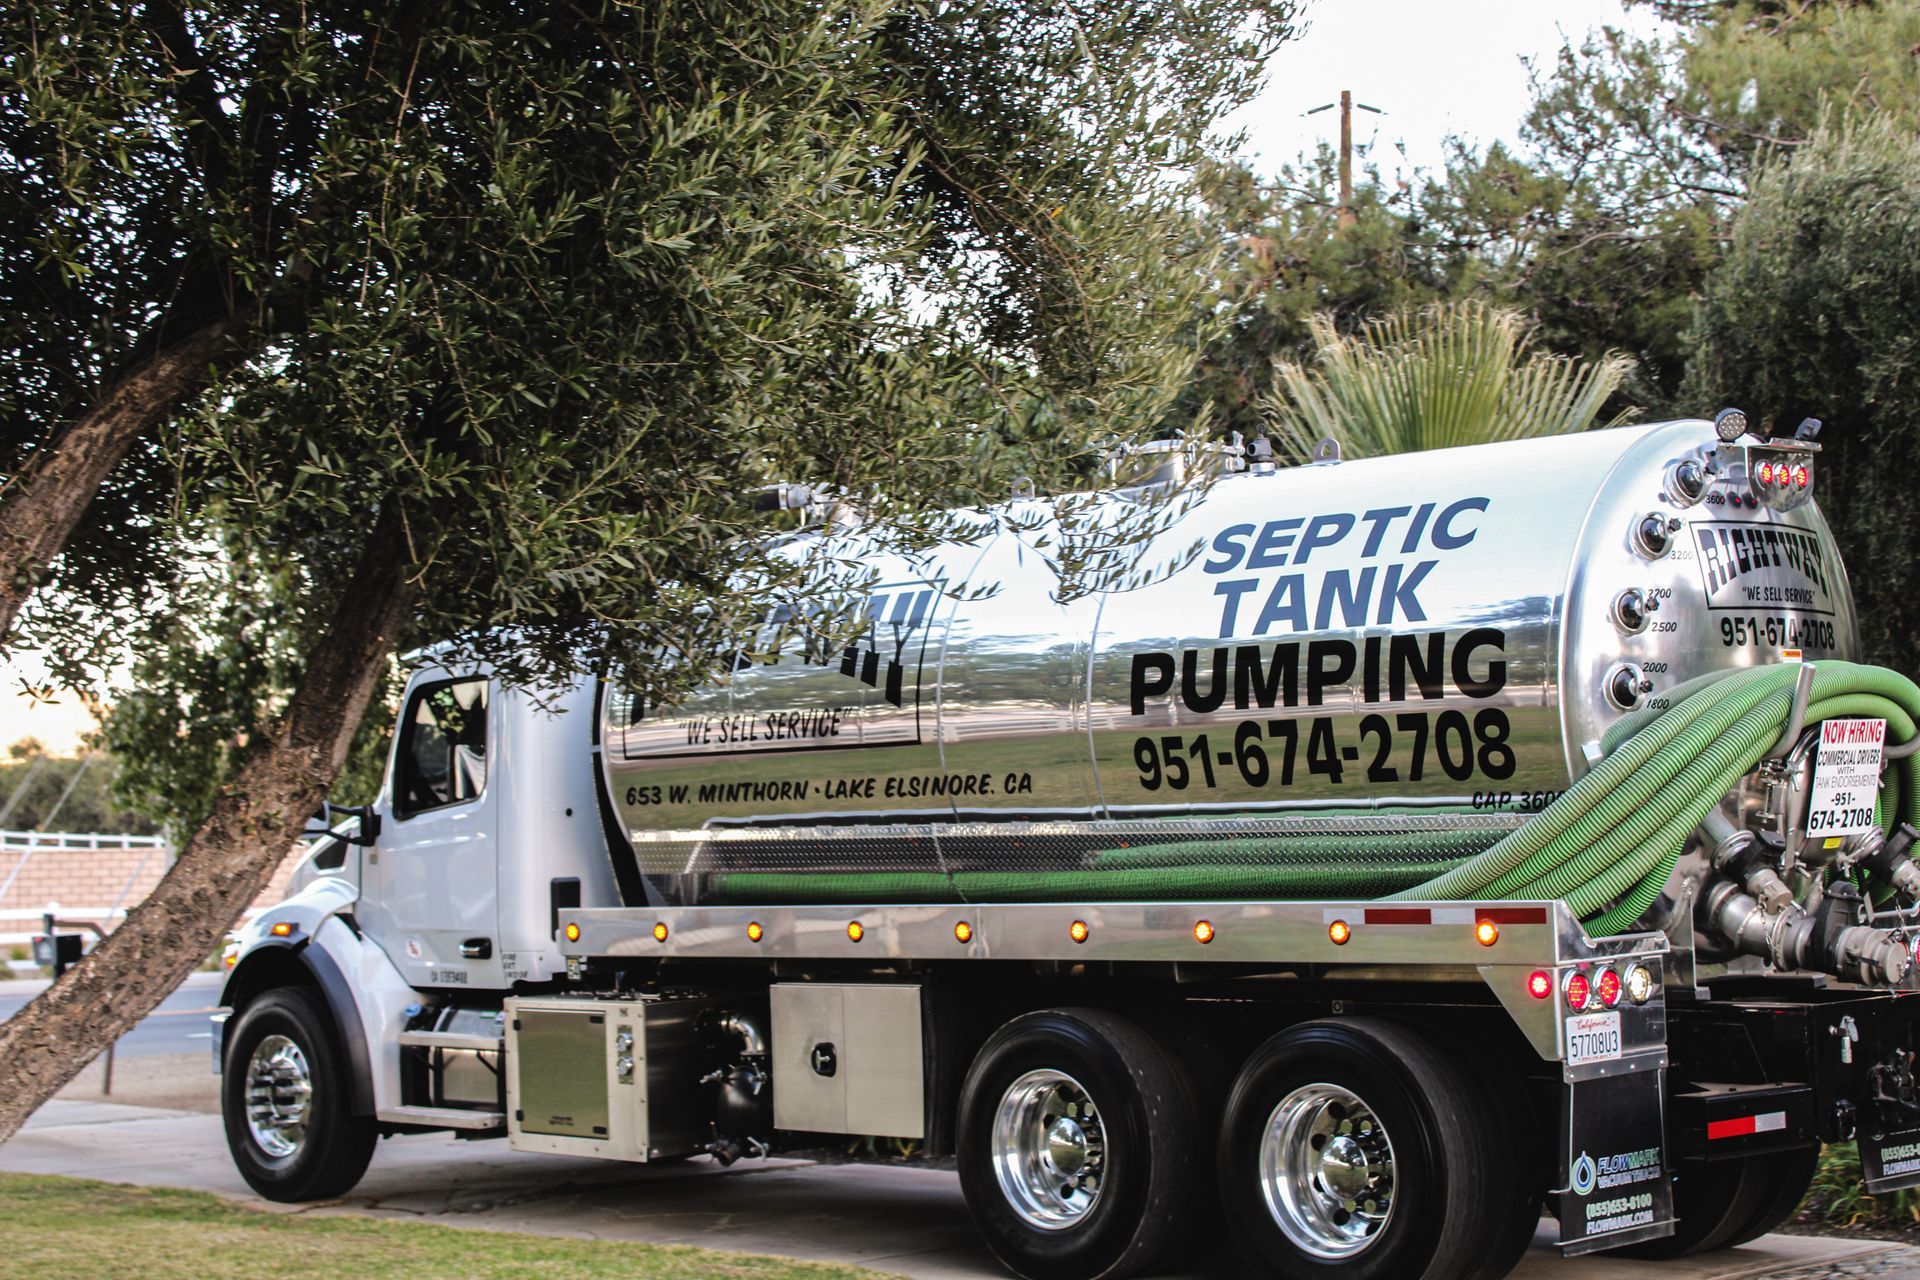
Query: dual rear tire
x=1358 y=1147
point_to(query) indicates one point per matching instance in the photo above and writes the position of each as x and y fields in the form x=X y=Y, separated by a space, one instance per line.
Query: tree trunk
x=45 y=501
x=228 y=861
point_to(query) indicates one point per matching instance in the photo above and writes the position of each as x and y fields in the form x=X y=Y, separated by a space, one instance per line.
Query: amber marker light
x=282 y=930
x=855 y=931
x=754 y=931
x=573 y=933
x=660 y=932
x=962 y=931
x=1486 y=933
x=1077 y=931
x=1203 y=931
x=1339 y=931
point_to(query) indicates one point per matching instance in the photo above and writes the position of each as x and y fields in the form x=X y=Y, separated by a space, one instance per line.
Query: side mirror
x=367 y=832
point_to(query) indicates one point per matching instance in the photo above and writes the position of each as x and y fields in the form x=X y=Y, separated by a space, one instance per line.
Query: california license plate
x=1593 y=1037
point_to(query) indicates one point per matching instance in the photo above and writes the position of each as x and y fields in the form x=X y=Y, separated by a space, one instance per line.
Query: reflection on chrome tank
x=1318 y=653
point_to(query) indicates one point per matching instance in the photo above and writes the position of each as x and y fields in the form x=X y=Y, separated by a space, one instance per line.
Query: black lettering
x=1463 y=653
x=1152 y=678
x=1329 y=665
x=1405 y=659
x=1189 y=681
x=1275 y=684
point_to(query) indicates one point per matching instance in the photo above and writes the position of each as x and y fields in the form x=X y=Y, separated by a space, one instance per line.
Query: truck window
x=329 y=853
x=443 y=746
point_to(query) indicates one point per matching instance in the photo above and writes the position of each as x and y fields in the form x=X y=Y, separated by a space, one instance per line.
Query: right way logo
x=1761 y=566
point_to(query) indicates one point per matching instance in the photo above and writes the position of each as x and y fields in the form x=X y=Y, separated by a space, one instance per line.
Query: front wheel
x=1077 y=1148
x=284 y=1099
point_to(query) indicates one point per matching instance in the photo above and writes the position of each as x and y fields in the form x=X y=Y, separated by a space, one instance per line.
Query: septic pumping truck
x=1430 y=842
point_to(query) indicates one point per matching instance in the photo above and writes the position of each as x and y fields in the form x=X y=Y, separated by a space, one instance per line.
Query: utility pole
x=1347 y=104
x=1346 y=158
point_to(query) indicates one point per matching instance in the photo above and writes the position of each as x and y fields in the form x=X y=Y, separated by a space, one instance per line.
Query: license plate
x=1593 y=1037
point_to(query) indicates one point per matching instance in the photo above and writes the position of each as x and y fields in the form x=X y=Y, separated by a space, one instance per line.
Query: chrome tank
x=1425 y=642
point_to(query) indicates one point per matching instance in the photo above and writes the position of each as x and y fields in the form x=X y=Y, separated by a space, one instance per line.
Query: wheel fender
x=304 y=941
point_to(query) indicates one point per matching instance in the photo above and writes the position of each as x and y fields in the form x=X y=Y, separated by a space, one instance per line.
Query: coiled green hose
x=1606 y=846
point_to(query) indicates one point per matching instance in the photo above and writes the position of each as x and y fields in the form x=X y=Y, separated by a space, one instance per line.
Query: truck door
x=429 y=894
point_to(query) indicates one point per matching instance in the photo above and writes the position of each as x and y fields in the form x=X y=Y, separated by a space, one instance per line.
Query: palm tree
x=1449 y=374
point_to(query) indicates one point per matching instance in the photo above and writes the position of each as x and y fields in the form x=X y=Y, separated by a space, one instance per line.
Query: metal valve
x=1687 y=482
x=1654 y=534
x=623 y=1042
x=1630 y=609
x=623 y=1067
x=1625 y=686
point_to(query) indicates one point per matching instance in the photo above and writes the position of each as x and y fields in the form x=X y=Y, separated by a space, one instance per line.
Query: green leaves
x=564 y=286
x=1448 y=375
x=1811 y=315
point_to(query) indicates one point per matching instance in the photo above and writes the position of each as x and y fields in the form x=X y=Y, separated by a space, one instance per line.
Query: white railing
x=77 y=840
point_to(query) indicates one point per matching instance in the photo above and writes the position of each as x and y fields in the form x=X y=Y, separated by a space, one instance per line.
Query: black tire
x=1137 y=1204
x=1785 y=1177
x=1712 y=1199
x=1504 y=1105
x=1453 y=1208
x=327 y=1159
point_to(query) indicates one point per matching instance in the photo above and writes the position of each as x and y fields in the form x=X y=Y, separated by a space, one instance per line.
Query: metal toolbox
x=616 y=1078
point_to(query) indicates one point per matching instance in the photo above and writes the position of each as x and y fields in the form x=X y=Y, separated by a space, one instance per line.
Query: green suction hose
x=1606 y=846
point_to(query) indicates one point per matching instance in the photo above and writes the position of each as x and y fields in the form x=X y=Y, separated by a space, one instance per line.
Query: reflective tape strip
x=1513 y=915
x=1741 y=1126
x=1399 y=915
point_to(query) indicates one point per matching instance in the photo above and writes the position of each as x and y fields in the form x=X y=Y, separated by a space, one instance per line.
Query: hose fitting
x=1754 y=861
x=1891 y=860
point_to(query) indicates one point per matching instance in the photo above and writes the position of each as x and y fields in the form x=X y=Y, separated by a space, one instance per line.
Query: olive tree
x=527 y=301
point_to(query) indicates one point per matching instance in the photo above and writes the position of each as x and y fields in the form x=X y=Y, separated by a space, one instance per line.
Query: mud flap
x=1614 y=1187
x=1890 y=1162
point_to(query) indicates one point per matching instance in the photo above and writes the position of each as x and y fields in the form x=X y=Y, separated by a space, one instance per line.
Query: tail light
x=1607 y=987
x=1579 y=992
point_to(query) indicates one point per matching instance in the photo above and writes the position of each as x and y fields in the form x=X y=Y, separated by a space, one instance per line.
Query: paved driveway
x=900 y=1219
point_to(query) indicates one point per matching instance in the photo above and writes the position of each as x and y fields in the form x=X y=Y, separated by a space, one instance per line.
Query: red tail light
x=1607 y=987
x=1579 y=992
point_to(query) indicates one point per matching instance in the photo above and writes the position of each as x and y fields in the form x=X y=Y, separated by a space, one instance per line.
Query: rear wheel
x=1712 y=1201
x=1361 y=1148
x=285 y=1101
x=1076 y=1145
x=1786 y=1175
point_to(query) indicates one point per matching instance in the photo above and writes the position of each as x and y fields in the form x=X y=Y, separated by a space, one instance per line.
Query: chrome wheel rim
x=279 y=1095
x=1049 y=1150
x=1326 y=1170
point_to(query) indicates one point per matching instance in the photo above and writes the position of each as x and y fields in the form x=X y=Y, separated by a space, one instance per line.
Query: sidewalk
x=34 y=986
x=892 y=1218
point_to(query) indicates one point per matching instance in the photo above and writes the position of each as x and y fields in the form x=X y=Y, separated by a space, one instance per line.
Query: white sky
x=1435 y=68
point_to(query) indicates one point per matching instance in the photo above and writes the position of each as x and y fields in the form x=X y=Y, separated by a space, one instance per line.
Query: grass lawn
x=72 y=1229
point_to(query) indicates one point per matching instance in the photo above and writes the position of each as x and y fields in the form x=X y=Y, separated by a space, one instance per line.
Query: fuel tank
x=1339 y=651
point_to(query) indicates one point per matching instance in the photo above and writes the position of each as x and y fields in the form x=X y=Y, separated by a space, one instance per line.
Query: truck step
x=442 y=1117
x=450 y=1040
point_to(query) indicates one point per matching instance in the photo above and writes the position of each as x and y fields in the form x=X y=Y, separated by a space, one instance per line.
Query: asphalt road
x=179 y=1025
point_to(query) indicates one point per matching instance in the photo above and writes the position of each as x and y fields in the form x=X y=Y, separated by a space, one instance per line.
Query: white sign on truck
x=1846 y=778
